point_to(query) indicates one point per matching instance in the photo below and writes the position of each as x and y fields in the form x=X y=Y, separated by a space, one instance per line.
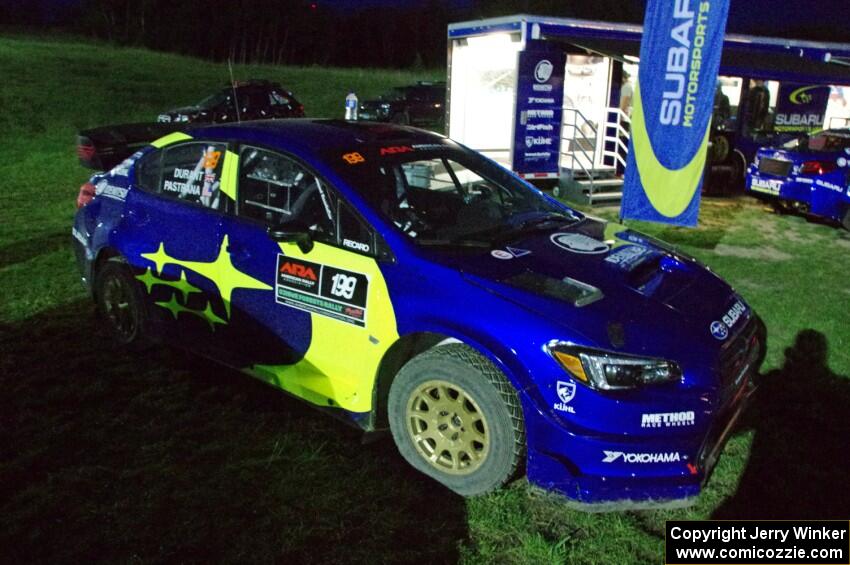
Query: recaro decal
x=322 y=289
x=357 y=245
x=668 y=190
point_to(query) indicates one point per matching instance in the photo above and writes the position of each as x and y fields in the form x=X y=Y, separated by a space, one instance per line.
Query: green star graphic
x=149 y=279
x=221 y=271
x=182 y=285
x=211 y=317
x=173 y=306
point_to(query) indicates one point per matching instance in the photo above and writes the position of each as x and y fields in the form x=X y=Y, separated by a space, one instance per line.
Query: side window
x=354 y=234
x=147 y=171
x=277 y=190
x=278 y=99
x=191 y=172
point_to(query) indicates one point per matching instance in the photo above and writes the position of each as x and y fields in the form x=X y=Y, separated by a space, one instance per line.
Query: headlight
x=612 y=371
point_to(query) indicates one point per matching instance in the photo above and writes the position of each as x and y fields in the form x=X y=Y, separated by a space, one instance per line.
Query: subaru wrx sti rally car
x=400 y=280
x=810 y=175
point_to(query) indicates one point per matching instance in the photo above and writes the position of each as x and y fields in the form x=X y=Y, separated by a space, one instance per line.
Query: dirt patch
x=763 y=253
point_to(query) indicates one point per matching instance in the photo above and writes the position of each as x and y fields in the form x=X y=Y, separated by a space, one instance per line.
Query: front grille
x=778 y=167
x=739 y=356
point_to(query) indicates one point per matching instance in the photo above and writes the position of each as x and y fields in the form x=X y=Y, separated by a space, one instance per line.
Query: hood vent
x=566 y=289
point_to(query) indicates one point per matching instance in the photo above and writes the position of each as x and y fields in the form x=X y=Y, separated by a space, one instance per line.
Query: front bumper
x=603 y=472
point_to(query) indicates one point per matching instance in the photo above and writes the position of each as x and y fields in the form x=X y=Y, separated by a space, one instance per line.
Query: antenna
x=233 y=87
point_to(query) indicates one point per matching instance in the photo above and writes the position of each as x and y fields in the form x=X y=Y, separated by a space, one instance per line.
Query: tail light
x=817 y=167
x=85 y=151
x=87 y=192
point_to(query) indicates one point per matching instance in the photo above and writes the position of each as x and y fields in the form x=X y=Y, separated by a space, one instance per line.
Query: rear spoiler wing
x=105 y=147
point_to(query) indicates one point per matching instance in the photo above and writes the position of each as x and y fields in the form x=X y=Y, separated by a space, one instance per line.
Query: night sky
x=815 y=20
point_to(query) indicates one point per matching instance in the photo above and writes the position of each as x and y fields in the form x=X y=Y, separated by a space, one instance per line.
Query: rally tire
x=845 y=220
x=119 y=303
x=489 y=394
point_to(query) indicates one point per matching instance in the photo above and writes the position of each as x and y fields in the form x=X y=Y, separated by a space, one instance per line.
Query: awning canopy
x=768 y=58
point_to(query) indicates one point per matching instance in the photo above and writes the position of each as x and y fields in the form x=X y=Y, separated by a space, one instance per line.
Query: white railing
x=579 y=143
x=615 y=141
x=591 y=149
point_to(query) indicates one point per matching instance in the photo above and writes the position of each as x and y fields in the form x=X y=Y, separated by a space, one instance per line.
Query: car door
x=323 y=330
x=171 y=235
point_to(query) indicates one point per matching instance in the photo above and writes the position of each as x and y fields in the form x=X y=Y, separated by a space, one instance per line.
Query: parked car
x=423 y=103
x=810 y=175
x=248 y=100
x=399 y=280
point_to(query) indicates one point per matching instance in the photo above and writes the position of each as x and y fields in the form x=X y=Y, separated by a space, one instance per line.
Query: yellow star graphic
x=220 y=271
x=159 y=258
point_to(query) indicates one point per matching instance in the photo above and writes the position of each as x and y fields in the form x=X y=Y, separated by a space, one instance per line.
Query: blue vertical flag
x=671 y=109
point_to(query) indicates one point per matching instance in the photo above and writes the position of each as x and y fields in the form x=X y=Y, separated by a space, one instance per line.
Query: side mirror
x=288 y=233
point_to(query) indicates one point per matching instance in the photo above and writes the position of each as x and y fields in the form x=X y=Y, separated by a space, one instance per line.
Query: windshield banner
x=539 y=108
x=800 y=107
x=672 y=107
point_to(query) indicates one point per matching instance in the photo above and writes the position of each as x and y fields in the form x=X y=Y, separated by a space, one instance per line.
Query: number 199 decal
x=322 y=289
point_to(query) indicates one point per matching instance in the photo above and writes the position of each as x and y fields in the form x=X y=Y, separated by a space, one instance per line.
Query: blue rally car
x=809 y=175
x=403 y=281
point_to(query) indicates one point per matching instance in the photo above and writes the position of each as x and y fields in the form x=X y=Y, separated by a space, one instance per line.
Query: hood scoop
x=661 y=277
x=565 y=289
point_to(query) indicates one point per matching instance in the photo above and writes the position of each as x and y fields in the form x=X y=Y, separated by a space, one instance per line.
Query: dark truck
x=105 y=147
x=242 y=101
x=423 y=103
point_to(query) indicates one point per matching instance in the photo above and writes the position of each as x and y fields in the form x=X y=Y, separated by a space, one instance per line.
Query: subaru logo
x=543 y=71
x=719 y=330
x=566 y=391
x=579 y=243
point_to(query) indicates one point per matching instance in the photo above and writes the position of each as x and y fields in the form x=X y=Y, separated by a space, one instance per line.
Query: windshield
x=451 y=196
x=395 y=94
x=214 y=100
x=827 y=142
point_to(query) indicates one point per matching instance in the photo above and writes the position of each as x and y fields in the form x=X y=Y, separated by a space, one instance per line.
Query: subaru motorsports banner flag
x=539 y=109
x=672 y=106
x=800 y=107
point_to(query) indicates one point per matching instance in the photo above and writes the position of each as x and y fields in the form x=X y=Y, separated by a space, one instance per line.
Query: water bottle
x=351 y=104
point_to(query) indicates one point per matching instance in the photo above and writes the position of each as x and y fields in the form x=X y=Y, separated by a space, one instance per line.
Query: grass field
x=156 y=456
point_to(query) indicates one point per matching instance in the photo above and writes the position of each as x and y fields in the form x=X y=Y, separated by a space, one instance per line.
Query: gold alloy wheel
x=447 y=427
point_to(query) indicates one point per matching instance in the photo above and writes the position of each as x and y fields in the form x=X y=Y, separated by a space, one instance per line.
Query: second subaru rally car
x=810 y=175
x=401 y=280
